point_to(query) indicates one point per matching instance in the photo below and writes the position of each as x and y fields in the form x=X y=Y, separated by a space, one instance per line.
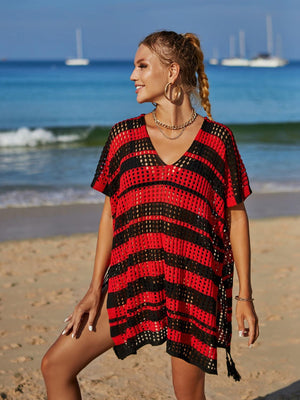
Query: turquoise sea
x=54 y=120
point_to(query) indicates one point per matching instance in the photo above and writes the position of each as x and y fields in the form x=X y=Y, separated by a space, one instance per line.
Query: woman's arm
x=90 y=302
x=240 y=243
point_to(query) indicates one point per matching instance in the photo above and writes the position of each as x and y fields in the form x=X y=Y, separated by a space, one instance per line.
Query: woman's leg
x=188 y=380
x=68 y=356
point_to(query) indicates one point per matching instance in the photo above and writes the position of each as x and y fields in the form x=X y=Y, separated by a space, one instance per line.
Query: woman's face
x=150 y=76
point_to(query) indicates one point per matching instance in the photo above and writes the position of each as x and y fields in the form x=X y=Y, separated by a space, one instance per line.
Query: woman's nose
x=133 y=75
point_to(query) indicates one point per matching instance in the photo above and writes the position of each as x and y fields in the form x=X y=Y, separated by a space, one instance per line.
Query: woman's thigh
x=188 y=380
x=68 y=356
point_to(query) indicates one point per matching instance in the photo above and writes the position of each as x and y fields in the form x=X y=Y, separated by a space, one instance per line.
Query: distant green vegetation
x=281 y=132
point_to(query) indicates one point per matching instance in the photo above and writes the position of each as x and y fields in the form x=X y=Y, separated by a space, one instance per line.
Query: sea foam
x=25 y=137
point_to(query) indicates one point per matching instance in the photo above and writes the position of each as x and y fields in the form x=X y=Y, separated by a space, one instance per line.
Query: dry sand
x=41 y=280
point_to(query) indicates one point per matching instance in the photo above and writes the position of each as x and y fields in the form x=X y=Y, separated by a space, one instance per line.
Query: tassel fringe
x=231 y=370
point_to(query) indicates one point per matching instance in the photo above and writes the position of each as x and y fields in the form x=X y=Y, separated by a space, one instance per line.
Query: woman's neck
x=172 y=114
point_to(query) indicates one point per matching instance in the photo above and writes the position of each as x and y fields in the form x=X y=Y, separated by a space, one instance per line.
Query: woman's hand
x=245 y=311
x=88 y=305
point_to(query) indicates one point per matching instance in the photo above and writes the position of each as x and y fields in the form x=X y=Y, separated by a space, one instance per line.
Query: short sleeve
x=237 y=182
x=106 y=174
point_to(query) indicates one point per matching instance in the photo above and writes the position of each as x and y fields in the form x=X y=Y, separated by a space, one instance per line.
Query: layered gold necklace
x=159 y=124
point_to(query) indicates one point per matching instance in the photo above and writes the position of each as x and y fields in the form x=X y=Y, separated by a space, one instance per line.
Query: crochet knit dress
x=171 y=268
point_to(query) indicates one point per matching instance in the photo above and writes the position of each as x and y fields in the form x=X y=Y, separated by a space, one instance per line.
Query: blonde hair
x=185 y=50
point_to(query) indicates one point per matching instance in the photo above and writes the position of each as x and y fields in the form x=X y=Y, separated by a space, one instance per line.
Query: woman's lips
x=138 y=88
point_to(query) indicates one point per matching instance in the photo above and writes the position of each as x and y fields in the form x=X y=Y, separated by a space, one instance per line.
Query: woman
x=173 y=219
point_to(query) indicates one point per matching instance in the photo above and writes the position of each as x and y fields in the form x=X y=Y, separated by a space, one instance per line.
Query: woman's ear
x=174 y=71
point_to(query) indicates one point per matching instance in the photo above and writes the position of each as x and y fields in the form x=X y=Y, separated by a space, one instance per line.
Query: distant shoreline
x=69 y=127
x=46 y=221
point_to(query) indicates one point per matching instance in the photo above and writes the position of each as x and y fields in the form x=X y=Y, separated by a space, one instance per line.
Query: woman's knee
x=49 y=364
x=53 y=364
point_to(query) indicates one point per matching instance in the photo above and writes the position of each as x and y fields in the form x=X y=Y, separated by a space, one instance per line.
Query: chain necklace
x=168 y=137
x=175 y=127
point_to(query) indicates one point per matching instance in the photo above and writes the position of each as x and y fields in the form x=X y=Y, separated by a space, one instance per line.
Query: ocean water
x=54 y=121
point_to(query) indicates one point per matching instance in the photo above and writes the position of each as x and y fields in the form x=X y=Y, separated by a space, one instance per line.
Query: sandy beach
x=43 y=277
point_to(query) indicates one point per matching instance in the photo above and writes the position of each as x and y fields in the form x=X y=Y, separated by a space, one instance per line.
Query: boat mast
x=242 y=44
x=232 y=46
x=79 y=43
x=269 y=35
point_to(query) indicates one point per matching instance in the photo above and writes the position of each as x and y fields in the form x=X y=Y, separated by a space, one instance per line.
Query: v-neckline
x=183 y=155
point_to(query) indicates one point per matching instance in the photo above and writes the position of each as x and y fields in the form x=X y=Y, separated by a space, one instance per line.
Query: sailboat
x=79 y=60
x=268 y=60
x=233 y=61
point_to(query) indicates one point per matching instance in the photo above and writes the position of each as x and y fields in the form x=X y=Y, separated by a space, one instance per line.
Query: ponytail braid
x=202 y=77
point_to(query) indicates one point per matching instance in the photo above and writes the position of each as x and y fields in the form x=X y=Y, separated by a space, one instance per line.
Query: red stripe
x=194 y=311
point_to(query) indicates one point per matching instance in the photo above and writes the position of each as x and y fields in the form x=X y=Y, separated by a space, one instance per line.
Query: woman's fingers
x=252 y=329
x=68 y=318
x=79 y=311
x=67 y=328
x=253 y=325
x=255 y=329
x=246 y=312
x=244 y=333
x=88 y=305
x=92 y=316
x=74 y=322
x=241 y=326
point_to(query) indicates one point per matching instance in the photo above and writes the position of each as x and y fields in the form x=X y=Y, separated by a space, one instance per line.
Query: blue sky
x=39 y=29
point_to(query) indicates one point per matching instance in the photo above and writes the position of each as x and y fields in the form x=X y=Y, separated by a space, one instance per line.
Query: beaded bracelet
x=241 y=299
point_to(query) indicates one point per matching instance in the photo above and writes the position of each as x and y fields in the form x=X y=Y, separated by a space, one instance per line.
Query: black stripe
x=157 y=284
x=176 y=185
x=191 y=296
x=173 y=260
x=134 y=146
x=177 y=324
x=188 y=327
x=192 y=318
x=205 y=171
x=172 y=230
x=141 y=306
x=169 y=210
x=133 y=344
x=147 y=283
x=152 y=255
x=131 y=322
x=194 y=165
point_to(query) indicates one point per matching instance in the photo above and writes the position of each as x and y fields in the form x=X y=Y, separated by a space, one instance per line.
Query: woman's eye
x=142 y=66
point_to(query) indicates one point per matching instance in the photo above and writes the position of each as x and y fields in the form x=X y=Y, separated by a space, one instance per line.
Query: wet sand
x=46 y=221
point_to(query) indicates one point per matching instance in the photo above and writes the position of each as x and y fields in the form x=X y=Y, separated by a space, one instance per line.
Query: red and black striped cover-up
x=171 y=268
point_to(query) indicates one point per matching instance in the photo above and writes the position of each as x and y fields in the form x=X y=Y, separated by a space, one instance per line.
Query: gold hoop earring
x=166 y=91
x=178 y=93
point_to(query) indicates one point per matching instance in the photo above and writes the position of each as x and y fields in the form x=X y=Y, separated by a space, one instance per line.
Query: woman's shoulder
x=219 y=132
x=217 y=128
x=128 y=125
